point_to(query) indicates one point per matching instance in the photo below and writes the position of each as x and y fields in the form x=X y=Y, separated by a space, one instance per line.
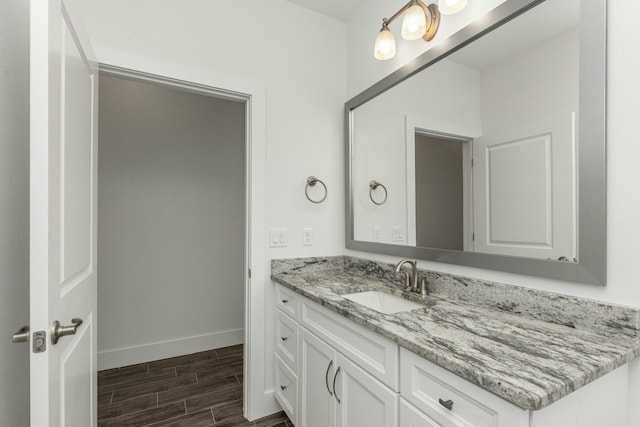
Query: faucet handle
x=424 y=290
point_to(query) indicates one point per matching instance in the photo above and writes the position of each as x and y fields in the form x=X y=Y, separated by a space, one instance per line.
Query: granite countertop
x=529 y=347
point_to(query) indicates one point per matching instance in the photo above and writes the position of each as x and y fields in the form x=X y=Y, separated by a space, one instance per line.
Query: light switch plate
x=278 y=238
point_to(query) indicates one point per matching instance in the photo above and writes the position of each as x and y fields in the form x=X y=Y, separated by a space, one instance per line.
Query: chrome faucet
x=413 y=284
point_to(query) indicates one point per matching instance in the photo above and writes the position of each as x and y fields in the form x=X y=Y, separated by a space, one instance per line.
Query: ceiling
x=342 y=10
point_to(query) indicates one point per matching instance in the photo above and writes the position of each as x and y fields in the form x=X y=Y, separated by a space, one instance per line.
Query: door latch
x=39 y=341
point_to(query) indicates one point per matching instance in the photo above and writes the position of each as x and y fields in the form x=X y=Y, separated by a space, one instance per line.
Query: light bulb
x=385 y=45
x=449 y=7
x=414 y=23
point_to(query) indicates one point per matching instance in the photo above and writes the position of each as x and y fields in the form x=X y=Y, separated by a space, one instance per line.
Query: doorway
x=173 y=229
x=441 y=191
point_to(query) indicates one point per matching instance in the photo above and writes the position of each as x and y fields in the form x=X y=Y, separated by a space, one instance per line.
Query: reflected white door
x=63 y=101
x=524 y=191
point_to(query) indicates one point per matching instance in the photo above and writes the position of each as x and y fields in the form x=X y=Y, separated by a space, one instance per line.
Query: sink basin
x=383 y=302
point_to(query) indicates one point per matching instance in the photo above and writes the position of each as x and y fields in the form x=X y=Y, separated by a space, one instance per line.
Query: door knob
x=21 y=336
x=58 y=331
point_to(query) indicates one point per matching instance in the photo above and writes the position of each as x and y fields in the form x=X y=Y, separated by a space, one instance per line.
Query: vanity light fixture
x=419 y=22
x=449 y=7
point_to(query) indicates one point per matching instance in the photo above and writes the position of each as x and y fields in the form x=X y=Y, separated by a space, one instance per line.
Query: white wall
x=299 y=57
x=297 y=54
x=532 y=85
x=623 y=152
x=14 y=210
x=380 y=141
x=170 y=222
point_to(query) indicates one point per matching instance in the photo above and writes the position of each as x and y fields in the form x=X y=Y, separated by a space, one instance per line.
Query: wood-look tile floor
x=196 y=390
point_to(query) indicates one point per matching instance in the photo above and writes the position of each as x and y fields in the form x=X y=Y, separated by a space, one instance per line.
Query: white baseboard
x=108 y=359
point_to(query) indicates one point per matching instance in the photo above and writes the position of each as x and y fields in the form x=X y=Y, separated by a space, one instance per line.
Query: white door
x=63 y=99
x=524 y=190
x=317 y=372
x=363 y=401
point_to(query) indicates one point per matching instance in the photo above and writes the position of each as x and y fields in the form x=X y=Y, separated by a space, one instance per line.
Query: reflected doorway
x=442 y=190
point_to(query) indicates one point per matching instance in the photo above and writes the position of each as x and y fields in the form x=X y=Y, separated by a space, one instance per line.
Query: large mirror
x=489 y=149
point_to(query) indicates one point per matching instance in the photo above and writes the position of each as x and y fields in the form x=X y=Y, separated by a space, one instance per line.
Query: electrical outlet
x=377 y=231
x=307 y=236
x=397 y=233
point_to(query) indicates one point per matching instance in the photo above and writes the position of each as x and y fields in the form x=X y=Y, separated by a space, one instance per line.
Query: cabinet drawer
x=286 y=389
x=375 y=354
x=287 y=301
x=287 y=339
x=425 y=384
x=412 y=417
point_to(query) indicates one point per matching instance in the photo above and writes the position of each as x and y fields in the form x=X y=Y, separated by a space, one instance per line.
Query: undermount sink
x=383 y=302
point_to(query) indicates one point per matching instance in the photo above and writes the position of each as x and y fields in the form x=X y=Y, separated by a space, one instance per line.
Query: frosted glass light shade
x=414 y=23
x=449 y=7
x=385 y=46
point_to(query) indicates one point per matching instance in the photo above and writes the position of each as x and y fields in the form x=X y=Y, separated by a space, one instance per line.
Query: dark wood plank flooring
x=196 y=390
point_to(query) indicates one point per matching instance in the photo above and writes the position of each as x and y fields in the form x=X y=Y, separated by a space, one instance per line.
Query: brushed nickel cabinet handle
x=334 y=384
x=284 y=338
x=326 y=378
x=283 y=387
x=284 y=301
x=446 y=403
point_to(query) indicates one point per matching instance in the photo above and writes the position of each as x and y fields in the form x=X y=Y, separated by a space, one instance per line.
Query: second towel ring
x=311 y=182
x=373 y=185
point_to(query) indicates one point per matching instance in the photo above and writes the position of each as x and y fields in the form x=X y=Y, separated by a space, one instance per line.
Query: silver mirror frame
x=591 y=265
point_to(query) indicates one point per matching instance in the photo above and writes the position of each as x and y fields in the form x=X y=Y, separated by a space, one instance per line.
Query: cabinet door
x=363 y=401
x=317 y=369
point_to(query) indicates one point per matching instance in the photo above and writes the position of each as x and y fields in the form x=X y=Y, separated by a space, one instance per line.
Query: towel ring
x=311 y=182
x=373 y=185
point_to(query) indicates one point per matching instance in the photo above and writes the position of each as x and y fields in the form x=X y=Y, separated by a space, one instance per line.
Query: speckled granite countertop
x=529 y=347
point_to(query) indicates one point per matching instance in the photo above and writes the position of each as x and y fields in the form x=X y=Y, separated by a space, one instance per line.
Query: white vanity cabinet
x=336 y=392
x=345 y=375
x=331 y=371
x=448 y=400
x=603 y=402
x=286 y=351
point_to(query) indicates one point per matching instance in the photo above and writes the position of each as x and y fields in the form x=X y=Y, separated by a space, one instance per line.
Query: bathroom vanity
x=475 y=354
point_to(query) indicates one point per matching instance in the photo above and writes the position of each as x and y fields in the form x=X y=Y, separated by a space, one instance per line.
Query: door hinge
x=472 y=162
x=249 y=273
x=473 y=237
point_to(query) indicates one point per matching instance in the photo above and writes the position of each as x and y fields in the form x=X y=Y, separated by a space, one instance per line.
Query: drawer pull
x=334 y=385
x=284 y=338
x=326 y=378
x=446 y=403
x=284 y=301
x=283 y=387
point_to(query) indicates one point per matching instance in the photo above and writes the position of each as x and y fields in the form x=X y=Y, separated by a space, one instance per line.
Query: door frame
x=258 y=397
x=426 y=126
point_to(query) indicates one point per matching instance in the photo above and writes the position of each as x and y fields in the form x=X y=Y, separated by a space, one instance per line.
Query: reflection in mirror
x=478 y=150
x=482 y=151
